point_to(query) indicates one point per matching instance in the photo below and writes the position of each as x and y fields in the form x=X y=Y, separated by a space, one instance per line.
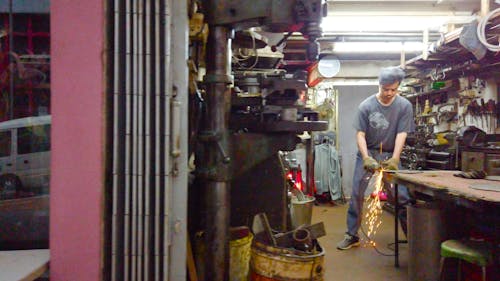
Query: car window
x=33 y=139
x=5 y=143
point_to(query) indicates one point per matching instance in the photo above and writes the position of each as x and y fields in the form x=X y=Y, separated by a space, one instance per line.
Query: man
x=383 y=119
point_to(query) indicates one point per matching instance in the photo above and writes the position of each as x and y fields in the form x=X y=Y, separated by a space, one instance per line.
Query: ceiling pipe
x=425 y=41
x=485 y=7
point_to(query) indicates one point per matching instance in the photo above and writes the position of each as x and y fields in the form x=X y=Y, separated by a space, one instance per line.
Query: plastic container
x=239 y=261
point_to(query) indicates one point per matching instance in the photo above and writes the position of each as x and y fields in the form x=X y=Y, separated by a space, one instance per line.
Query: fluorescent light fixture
x=348 y=82
x=370 y=23
x=377 y=47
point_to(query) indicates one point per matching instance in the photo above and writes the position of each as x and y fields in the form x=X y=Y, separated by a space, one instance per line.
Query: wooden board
x=24 y=265
x=445 y=181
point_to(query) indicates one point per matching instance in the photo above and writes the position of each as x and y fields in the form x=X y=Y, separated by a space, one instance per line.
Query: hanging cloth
x=327 y=171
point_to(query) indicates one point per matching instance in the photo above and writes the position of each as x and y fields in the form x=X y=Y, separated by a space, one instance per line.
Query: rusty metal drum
x=270 y=263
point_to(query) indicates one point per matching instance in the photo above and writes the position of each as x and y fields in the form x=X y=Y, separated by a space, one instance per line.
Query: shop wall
x=77 y=40
x=349 y=99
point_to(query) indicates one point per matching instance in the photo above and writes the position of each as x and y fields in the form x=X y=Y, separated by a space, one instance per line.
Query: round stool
x=476 y=252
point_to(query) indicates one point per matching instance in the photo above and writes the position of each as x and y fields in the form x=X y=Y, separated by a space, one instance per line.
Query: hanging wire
x=481 y=31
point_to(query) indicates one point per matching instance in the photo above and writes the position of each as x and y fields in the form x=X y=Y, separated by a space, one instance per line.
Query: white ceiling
x=398 y=15
x=397 y=20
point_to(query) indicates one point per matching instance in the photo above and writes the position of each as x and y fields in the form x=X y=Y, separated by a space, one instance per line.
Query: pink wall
x=77 y=44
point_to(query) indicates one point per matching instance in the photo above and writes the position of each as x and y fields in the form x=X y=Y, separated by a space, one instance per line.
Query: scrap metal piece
x=286 y=239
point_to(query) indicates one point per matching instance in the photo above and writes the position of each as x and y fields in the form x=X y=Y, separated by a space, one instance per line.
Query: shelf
x=453 y=60
x=432 y=114
x=433 y=92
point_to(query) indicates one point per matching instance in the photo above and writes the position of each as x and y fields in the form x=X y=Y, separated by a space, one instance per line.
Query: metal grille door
x=145 y=222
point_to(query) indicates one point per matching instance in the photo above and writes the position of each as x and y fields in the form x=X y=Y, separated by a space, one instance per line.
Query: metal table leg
x=396 y=229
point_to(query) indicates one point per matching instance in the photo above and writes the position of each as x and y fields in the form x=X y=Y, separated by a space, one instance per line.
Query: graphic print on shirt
x=377 y=121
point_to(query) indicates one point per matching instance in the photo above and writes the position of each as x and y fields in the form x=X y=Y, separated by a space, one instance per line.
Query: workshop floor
x=359 y=263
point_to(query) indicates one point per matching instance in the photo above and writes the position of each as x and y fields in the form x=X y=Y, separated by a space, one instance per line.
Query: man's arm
x=361 y=141
x=398 y=144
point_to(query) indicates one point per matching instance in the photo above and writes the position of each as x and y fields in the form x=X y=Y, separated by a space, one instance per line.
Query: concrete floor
x=359 y=263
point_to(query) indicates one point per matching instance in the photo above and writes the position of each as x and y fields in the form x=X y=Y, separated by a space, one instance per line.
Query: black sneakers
x=348 y=242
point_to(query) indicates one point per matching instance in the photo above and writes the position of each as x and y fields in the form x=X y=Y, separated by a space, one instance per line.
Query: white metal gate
x=147 y=172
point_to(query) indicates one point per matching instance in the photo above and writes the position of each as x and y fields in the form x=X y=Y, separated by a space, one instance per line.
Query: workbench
x=443 y=186
x=25 y=265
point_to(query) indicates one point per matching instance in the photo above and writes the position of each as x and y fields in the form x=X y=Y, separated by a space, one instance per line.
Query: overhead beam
x=402 y=8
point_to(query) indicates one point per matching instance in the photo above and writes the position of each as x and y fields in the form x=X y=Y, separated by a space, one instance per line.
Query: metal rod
x=396 y=230
x=310 y=166
x=140 y=139
x=217 y=185
x=11 y=49
x=159 y=144
x=148 y=152
x=128 y=140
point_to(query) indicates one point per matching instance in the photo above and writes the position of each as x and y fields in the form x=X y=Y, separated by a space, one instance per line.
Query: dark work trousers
x=360 y=182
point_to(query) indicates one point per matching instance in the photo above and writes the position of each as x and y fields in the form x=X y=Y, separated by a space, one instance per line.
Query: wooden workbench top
x=444 y=181
x=25 y=265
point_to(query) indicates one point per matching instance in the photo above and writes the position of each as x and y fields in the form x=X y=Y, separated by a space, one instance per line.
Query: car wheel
x=9 y=185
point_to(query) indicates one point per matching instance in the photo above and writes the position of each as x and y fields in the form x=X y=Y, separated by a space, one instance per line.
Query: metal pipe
x=309 y=188
x=11 y=49
x=485 y=7
x=396 y=229
x=213 y=160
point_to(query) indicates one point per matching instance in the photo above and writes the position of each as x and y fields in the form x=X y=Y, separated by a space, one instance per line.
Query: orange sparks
x=374 y=207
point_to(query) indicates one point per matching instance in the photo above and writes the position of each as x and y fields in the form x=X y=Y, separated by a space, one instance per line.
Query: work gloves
x=370 y=164
x=391 y=164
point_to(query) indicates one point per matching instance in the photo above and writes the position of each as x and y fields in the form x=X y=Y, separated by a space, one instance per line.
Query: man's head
x=389 y=80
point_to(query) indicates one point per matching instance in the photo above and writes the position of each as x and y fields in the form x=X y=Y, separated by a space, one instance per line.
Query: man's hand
x=391 y=164
x=370 y=164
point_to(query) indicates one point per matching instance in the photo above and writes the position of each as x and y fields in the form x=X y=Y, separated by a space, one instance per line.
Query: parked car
x=24 y=156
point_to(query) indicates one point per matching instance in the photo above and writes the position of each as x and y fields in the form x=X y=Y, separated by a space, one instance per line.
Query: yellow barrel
x=270 y=263
x=239 y=253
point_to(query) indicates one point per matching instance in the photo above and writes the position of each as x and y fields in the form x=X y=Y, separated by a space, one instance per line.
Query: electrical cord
x=243 y=57
x=372 y=243
x=481 y=31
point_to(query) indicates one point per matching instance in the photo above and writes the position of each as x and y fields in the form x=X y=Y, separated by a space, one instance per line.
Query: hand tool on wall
x=465 y=111
x=497 y=111
x=474 y=109
x=482 y=112
x=491 y=110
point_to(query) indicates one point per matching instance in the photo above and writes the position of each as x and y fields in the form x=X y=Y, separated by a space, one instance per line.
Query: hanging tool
x=491 y=110
x=475 y=109
x=465 y=111
x=482 y=111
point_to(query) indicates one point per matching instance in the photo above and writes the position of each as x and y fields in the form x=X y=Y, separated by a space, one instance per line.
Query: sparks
x=374 y=208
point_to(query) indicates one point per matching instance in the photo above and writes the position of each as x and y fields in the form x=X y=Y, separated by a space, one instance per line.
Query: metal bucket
x=301 y=211
x=426 y=231
x=270 y=263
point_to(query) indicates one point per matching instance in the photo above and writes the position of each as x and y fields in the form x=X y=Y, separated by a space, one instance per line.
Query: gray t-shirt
x=382 y=123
